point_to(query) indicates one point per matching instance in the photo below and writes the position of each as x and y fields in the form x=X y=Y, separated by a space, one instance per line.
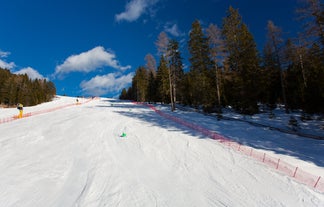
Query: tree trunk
x=171 y=90
x=217 y=87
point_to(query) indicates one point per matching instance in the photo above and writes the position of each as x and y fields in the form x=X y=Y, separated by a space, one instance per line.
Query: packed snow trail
x=76 y=157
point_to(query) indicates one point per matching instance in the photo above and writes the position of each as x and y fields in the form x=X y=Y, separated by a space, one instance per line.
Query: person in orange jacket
x=20 y=108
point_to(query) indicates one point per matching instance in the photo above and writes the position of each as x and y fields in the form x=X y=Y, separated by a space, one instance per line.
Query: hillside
x=20 y=88
x=68 y=154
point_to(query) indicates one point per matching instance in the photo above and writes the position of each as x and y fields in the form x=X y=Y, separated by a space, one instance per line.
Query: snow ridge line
x=301 y=176
x=13 y=118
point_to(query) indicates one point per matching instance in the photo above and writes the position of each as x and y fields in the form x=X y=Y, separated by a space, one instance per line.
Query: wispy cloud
x=4 y=54
x=89 y=61
x=110 y=83
x=6 y=65
x=32 y=73
x=134 y=9
x=173 y=29
x=3 y=63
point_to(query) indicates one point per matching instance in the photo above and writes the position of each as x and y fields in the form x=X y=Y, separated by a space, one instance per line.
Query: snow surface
x=76 y=156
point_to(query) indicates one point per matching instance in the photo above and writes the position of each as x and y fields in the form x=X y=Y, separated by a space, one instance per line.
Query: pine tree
x=151 y=87
x=162 y=46
x=151 y=68
x=123 y=95
x=21 y=89
x=50 y=90
x=4 y=82
x=130 y=94
x=175 y=71
x=273 y=56
x=314 y=90
x=140 y=84
x=187 y=90
x=311 y=14
x=162 y=81
x=243 y=63
x=311 y=55
x=201 y=67
x=292 y=76
x=218 y=56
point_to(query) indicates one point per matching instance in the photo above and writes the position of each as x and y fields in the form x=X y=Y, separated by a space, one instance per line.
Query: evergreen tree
x=140 y=84
x=151 y=68
x=50 y=90
x=130 y=93
x=201 y=67
x=4 y=86
x=175 y=71
x=187 y=93
x=305 y=78
x=20 y=89
x=292 y=76
x=273 y=66
x=225 y=68
x=314 y=90
x=162 y=81
x=311 y=15
x=218 y=56
x=243 y=63
x=151 y=87
x=311 y=55
x=123 y=95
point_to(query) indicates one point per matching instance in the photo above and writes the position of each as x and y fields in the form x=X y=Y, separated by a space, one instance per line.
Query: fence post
x=317 y=181
x=295 y=172
x=251 y=151
x=278 y=163
x=264 y=154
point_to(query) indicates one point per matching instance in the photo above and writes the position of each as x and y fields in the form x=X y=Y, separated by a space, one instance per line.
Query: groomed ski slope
x=75 y=157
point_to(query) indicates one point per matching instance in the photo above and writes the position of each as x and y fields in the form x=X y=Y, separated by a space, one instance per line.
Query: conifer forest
x=20 y=88
x=226 y=69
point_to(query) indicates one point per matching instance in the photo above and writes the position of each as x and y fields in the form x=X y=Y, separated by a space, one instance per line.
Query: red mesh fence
x=316 y=182
x=9 y=119
x=313 y=181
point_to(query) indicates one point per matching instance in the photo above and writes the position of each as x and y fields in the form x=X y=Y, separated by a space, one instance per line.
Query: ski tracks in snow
x=77 y=158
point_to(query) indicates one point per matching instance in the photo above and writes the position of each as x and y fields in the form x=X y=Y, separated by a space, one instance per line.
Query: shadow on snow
x=305 y=149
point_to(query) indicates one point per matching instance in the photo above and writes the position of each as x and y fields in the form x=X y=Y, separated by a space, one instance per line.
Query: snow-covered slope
x=75 y=156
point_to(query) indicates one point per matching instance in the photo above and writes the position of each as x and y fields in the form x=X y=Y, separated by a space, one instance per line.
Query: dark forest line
x=19 y=88
x=226 y=69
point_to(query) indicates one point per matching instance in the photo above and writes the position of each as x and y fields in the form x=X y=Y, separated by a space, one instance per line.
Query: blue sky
x=93 y=47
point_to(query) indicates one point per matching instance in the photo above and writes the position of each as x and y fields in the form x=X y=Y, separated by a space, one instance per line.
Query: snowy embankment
x=75 y=156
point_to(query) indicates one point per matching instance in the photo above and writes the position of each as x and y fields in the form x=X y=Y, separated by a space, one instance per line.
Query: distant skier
x=20 y=108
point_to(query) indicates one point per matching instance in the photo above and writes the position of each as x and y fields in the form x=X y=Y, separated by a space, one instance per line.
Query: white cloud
x=32 y=73
x=173 y=29
x=89 y=61
x=110 y=83
x=134 y=9
x=4 y=54
x=4 y=64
